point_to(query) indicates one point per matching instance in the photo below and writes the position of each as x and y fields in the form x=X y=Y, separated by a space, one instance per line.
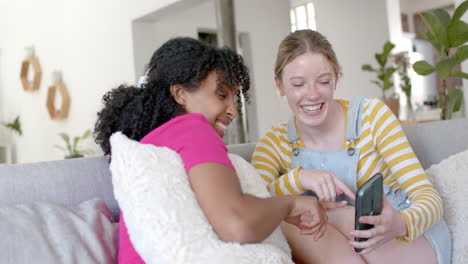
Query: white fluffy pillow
x=53 y=233
x=450 y=178
x=164 y=220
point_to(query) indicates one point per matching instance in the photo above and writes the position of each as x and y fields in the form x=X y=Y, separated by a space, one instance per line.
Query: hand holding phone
x=368 y=202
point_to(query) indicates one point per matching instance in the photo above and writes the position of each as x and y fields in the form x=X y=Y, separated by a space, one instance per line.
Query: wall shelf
x=62 y=112
x=34 y=84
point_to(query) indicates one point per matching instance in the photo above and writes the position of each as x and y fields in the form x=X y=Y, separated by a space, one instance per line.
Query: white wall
x=89 y=41
x=154 y=29
x=357 y=30
x=2 y=29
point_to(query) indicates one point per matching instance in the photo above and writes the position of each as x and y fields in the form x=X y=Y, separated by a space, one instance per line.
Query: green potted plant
x=448 y=36
x=15 y=126
x=384 y=74
x=402 y=61
x=72 y=148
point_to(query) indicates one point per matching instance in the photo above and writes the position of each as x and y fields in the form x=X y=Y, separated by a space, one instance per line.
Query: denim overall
x=343 y=163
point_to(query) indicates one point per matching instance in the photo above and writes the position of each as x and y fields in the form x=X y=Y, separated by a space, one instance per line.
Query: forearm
x=261 y=216
x=425 y=211
x=288 y=183
x=235 y=215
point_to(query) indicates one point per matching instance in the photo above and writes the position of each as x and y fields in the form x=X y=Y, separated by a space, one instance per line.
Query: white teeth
x=312 y=108
x=222 y=126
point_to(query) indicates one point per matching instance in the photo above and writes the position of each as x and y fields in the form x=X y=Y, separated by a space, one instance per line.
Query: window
x=303 y=17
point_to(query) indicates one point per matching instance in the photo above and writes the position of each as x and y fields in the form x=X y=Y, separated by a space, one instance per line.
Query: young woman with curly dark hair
x=186 y=104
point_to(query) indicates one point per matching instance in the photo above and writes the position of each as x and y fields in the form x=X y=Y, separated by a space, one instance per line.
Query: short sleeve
x=193 y=138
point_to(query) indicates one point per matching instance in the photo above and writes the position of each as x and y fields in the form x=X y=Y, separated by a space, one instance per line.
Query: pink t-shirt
x=193 y=138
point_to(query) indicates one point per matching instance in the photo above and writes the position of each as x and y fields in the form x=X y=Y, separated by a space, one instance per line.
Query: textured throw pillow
x=163 y=218
x=450 y=178
x=52 y=233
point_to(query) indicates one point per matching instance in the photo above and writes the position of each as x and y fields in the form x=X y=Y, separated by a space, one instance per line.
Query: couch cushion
x=450 y=178
x=245 y=150
x=52 y=233
x=66 y=182
x=163 y=218
x=435 y=141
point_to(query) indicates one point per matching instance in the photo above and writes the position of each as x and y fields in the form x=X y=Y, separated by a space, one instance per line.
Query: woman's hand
x=325 y=184
x=387 y=226
x=310 y=216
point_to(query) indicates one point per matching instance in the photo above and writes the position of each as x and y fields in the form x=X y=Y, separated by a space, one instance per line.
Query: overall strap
x=292 y=132
x=353 y=128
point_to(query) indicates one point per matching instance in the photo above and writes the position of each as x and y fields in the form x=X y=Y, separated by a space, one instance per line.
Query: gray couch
x=75 y=180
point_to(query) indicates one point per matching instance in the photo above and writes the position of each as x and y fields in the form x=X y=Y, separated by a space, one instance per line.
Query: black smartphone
x=368 y=202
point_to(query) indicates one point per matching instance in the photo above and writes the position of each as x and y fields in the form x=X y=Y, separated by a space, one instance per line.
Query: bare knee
x=342 y=219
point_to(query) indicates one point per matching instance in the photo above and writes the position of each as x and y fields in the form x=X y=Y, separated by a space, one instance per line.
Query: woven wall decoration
x=58 y=89
x=32 y=62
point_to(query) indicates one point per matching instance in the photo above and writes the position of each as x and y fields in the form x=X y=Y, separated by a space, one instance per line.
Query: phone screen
x=368 y=202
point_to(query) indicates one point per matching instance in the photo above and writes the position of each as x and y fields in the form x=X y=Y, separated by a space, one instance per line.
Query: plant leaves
x=460 y=11
x=383 y=57
x=456 y=95
x=72 y=147
x=367 y=67
x=386 y=49
x=461 y=54
x=75 y=143
x=378 y=83
x=457 y=33
x=388 y=74
x=423 y=68
x=429 y=37
x=443 y=16
x=15 y=126
x=387 y=85
x=60 y=147
x=65 y=137
x=389 y=71
x=383 y=74
x=438 y=30
x=454 y=101
x=444 y=67
x=459 y=74
x=86 y=134
x=379 y=59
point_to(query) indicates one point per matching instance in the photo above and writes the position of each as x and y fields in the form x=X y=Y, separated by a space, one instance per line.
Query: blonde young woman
x=330 y=147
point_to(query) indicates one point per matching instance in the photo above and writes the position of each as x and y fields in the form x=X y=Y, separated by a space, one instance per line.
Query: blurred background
x=84 y=48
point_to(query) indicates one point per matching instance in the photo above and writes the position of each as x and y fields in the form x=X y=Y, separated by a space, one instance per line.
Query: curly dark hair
x=183 y=61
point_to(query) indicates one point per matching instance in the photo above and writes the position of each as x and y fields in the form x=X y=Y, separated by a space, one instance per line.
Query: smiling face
x=308 y=82
x=217 y=104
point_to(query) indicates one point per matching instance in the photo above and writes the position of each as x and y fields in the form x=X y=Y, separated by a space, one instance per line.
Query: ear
x=178 y=93
x=279 y=86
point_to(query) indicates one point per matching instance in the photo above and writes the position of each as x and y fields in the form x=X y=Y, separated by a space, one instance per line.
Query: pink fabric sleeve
x=193 y=138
